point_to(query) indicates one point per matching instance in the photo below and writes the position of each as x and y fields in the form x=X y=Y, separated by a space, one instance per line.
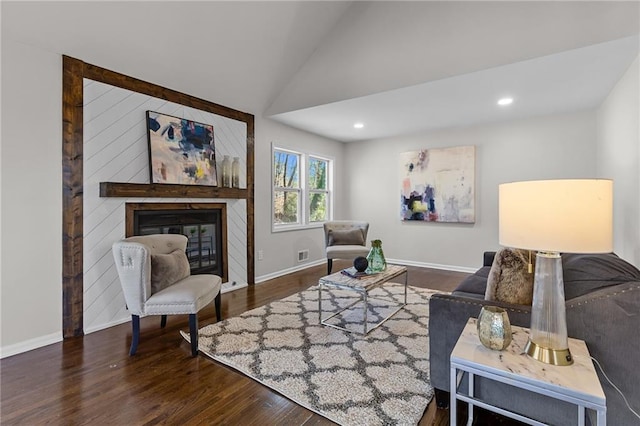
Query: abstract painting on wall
x=181 y=151
x=438 y=185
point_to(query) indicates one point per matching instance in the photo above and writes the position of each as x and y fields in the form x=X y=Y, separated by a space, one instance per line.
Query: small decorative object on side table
x=576 y=384
x=494 y=328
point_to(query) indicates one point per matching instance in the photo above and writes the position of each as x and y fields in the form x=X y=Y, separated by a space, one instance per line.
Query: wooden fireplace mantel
x=162 y=190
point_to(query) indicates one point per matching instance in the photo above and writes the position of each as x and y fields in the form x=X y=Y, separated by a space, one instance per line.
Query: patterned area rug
x=380 y=379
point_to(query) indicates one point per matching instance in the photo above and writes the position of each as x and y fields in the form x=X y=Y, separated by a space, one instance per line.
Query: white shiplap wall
x=116 y=150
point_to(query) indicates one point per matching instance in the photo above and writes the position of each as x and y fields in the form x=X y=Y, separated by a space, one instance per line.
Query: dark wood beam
x=251 y=274
x=157 y=190
x=72 y=190
x=113 y=78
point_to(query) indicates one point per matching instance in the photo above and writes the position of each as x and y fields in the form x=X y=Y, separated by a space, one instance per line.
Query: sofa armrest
x=447 y=317
x=487 y=259
x=608 y=320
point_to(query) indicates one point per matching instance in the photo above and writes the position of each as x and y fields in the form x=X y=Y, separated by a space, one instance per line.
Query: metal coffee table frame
x=362 y=286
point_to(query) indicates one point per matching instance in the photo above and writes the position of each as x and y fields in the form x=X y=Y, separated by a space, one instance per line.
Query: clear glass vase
x=226 y=172
x=235 y=172
x=376 y=260
x=494 y=328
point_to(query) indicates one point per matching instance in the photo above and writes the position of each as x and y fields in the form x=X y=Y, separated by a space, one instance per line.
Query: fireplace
x=204 y=225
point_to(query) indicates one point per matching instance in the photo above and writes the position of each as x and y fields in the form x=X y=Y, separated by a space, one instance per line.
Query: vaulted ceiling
x=395 y=66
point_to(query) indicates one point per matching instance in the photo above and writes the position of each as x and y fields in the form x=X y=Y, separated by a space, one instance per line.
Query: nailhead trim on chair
x=129 y=265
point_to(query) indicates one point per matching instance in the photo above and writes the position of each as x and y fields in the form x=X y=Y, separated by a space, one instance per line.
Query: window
x=301 y=189
x=286 y=187
x=318 y=190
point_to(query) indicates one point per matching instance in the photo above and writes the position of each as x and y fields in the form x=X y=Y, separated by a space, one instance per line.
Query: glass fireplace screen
x=201 y=227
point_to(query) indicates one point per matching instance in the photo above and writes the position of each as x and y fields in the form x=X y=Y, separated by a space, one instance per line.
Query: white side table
x=577 y=384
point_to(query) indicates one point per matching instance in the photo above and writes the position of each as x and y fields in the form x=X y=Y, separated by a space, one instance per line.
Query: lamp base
x=547 y=355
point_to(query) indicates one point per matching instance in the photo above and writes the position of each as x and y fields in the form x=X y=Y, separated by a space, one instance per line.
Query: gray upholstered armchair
x=345 y=239
x=156 y=280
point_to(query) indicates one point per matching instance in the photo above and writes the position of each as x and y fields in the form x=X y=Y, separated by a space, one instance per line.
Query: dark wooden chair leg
x=163 y=321
x=329 y=266
x=193 y=332
x=218 y=304
x=135 y=334
x=442 y=398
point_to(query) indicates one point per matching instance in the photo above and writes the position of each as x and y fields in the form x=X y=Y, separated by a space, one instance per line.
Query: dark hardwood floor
x=92 y=379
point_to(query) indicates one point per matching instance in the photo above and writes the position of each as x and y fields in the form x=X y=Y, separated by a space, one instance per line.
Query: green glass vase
x=376 y=260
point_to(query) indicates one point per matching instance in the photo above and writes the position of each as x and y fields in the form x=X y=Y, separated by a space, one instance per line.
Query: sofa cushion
x=474 y=284
x=351 y=237
x=583 y=273
x=168 y=269
x=509 y=279
x=186 y=296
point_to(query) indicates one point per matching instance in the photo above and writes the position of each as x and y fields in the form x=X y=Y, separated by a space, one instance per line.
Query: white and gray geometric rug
x=380 y=379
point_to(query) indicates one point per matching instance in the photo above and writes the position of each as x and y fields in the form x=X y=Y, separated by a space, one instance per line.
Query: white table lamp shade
x=566 y=216
x=553 y=217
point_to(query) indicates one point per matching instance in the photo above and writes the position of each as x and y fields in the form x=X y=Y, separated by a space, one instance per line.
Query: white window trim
x=303 y=198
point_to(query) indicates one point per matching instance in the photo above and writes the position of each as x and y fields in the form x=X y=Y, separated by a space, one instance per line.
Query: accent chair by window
x=345 y=239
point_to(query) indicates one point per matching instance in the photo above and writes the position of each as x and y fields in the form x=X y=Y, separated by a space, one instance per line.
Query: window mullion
x=304 y=181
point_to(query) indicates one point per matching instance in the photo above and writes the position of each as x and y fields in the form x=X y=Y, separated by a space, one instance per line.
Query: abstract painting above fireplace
x=181 y=151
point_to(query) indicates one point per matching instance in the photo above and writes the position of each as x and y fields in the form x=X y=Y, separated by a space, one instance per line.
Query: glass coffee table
x=362 y=286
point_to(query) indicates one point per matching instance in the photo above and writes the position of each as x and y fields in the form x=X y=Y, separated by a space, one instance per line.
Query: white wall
x=619 y=159
x=31 y=287
x=281 y=248
x=559 y=146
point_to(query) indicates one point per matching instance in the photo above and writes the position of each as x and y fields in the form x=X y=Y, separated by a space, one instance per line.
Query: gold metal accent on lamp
x=553 y=217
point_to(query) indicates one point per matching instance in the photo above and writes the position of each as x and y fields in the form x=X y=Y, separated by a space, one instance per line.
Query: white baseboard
x=31 y=344
x=454 y=268
x=228 y=287
x=89 y=330
x=267 y=277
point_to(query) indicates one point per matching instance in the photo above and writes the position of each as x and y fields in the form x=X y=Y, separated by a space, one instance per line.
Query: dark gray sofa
x=602 y=294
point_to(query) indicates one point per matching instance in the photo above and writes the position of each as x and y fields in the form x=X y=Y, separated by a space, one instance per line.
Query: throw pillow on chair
x=168 y=269
x=352 y=237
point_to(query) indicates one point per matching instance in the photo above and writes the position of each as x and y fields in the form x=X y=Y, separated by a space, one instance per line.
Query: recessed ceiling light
x=358 y=125
x=505 y=101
